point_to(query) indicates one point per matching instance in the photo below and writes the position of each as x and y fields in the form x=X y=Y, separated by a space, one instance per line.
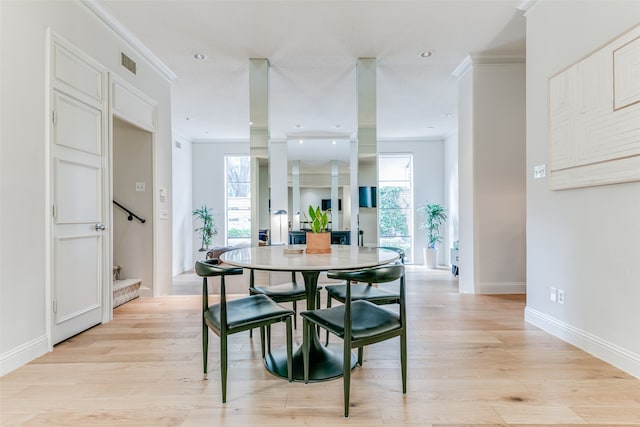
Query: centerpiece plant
x=318 y=239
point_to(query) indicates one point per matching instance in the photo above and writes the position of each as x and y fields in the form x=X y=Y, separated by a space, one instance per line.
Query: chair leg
x=326 y=343
x=360 y=355
x=346 y=376
x=250 y=333
x=295 y=315
x=205 y=347
x=262 y=339
x=223 y=366
x=289 y=350
x=268 y=327
x=306 y=348
x=403 y=360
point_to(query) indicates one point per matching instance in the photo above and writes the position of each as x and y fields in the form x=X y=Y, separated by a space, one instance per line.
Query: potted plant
x=318 y=239
x=435 y=215
x=208 y=228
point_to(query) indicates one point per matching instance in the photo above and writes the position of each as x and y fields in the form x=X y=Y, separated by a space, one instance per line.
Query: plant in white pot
x=435 y=215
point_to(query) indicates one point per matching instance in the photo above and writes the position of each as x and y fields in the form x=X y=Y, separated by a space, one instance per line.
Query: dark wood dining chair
x=236 y=315
x=363 y=291
x=359 y=322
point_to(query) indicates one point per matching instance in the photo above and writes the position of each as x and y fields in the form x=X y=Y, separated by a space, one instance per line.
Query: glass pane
x=396 y=204
x=238 y=200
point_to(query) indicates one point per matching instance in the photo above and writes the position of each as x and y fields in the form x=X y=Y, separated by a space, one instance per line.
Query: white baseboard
x=23 y=354
x=611 y=353
x=501 y=288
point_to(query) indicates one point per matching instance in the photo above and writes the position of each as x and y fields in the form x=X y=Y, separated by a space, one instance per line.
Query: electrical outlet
x=140 y=186
x=553 y=295
x=539 y=171
x=560 y=296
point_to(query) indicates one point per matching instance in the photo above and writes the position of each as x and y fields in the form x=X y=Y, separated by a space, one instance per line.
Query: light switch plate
x=140 y=186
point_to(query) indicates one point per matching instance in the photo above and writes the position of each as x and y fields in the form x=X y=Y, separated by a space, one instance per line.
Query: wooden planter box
x=318 y=243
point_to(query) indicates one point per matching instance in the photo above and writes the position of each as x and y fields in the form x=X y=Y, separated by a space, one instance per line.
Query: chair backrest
x=211 y=268
x=397 y=250
x=382 y=274
x=252 y=278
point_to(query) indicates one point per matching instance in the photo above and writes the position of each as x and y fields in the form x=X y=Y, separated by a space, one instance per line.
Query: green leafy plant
x=435 y=215
x=319 y=219
x=208 y=228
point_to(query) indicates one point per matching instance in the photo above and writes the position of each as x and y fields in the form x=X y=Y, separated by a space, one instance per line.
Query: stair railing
x=131 y=214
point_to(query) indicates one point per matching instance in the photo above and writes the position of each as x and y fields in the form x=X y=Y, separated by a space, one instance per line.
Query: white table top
x=341 y=257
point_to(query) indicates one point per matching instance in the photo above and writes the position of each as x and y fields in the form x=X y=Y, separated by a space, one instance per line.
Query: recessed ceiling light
x=426 y=53
x=301 y=142
x=250 y=123
x=187 y=118
x=338 y=126
x=199 y=56
x=430 y=127
x=445 y=115
x=298 y=126
x=333 y=142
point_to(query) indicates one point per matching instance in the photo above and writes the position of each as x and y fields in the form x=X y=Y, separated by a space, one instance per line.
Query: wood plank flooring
x=472 y=361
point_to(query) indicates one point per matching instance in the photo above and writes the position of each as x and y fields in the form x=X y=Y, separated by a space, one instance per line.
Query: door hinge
x=55 y=306
x=53 y=211
x=53 y=117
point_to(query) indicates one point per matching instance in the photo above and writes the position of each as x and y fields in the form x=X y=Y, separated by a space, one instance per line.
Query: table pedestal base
x=324 y=363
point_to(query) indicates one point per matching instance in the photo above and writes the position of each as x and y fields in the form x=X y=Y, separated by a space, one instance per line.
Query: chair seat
x=245 y=311
x=289 y=289
x=368 y=320
x=359 y=292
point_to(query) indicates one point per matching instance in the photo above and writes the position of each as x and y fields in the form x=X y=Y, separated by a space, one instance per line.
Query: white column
x=335 y=203
x=295 y=204
x=279 y=191
x=258 y=133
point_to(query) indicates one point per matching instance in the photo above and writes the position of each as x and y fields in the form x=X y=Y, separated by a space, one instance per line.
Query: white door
x=78 y=165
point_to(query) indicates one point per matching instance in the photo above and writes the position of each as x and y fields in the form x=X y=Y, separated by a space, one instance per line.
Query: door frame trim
x=52 y=38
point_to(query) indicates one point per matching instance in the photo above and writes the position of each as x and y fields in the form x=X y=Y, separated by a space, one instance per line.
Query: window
x=238 y=200
x=395 y=207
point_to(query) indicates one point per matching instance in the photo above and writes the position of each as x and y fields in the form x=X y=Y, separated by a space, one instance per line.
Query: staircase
x=124 y=290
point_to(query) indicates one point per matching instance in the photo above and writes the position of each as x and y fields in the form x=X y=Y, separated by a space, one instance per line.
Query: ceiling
x=312 y=47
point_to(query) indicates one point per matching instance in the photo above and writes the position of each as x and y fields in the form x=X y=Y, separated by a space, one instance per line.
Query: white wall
x=428 y=185
x=492 y=176
x=466 y=199
x=182 y=206
x=208 y=182
x=451 y=201
x=24 y=214
x=584 y=241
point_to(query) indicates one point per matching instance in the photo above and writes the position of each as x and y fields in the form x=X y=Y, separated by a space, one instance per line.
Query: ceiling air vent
x=128 y=63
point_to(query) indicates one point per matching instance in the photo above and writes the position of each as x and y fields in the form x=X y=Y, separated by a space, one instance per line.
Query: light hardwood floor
x=472 y=360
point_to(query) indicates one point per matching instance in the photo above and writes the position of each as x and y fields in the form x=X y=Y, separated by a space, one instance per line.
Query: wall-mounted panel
x=594 y=111
x=129 y=105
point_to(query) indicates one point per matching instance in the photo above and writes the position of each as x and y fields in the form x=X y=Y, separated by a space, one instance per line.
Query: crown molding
x=462 y=69
x=413 y=139
x=129 y=38
x=220 y=141
x=487 y=58
x=526 y=5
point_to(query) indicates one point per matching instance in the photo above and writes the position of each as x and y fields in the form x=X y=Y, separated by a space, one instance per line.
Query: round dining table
x=324 y=362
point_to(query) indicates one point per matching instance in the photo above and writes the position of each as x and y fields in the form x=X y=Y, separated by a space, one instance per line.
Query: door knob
x=100 y=227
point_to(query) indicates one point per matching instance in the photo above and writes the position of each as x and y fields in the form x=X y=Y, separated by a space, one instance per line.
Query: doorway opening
x=133 y=192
